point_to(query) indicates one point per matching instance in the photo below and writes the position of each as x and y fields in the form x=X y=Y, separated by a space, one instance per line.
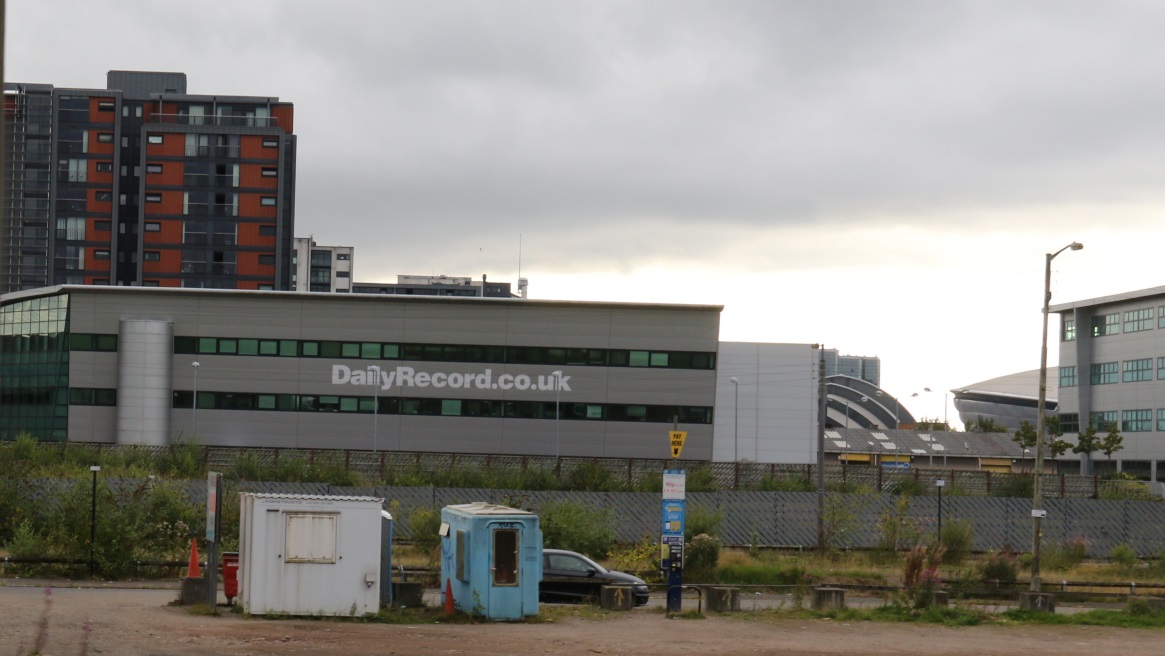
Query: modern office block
x=1112 y=372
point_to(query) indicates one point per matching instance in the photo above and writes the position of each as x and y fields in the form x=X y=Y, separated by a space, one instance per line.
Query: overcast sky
x=881 y=177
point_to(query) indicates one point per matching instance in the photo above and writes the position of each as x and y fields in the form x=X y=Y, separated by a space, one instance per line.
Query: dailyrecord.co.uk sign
x=386 y=379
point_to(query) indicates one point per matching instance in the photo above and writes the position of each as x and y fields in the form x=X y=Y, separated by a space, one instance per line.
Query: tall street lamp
x=736 y=420
x=1038 y=512
x=93 y=520
x=195 y=366
x=557 y=411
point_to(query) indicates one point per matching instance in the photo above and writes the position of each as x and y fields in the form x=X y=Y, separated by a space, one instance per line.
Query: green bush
x=999 y=566
x=698 y=520
x=785 y=484
x=1123 y=555
x=956 y=538
x=701 y=556
x=1012 y=486
x=1065 y=555
x=577 y=527
x=593 y=477
x=424 y=528
x=907 y=486
x=701 y=478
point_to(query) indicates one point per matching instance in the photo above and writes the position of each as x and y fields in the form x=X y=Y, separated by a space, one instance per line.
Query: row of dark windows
x=1139 y=420
x=417 y=352
x=1109 y=373
x=444 y=407
x=1103 y=325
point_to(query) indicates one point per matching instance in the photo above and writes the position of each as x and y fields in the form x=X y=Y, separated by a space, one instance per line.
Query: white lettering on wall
x=374 y=375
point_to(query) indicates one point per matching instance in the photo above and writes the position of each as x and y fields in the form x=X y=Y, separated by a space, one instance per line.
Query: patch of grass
x=688 y=615
x=1129 y=618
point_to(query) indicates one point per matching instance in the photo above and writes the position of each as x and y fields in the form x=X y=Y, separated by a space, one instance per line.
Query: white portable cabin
x=309 y=554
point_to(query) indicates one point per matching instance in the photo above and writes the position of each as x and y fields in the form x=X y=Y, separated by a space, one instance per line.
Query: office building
x=1112 y=371
x=318 y=268
x=143 y=184
x=440 y=286
x=135 y=365
x=867 y=368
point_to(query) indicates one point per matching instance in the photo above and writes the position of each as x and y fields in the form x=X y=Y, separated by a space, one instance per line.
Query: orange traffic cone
x=193 y=572
x=448 y=597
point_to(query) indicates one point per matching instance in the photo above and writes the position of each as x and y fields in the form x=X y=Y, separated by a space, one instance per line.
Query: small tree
x=985 y=425
x=1025 y=437
x=1057 y=447
x=1087 y=443
x=1111 y=442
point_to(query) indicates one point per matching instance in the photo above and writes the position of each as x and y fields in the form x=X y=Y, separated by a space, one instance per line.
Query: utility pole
x=820 y=446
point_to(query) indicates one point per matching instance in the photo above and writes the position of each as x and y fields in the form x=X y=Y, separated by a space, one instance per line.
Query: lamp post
x=557 y=413
x=195 y=366
x=93 y=519
x=940 y=483
x=736 y=420
x=375 y=409
x=1038 y=512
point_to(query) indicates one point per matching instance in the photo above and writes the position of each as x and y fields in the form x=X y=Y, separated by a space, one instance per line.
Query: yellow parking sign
x=677 y=442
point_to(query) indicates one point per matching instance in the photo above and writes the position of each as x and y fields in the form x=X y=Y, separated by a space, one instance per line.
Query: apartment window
x=1161 y=419
x=153 y=226
x=1137 y=421
x=343 y=274
x=1105 y=324
x=267 y=201
x=73 y=229
x=72 y=258
x=104 y=137
x=105 y=106
x=1102 y=421
x=1161 y=317
x=1067 y=376
x=1070 y=422
x=270 y=171
x=104 y=196
x=73 y=170
x=266 y=231
x=103 y=226
x=343 y=257
x=1105 y=373
x=101 y=254
x=1160 y=368
x=153 y=198
x=1069 y=331
x=153 y=168
x=105 y=167
x=1138 y=320
x=152 y=256
x=267 y=260
x=1138 y=370
x=270 y=143
x=154 y=139
x=150 y=283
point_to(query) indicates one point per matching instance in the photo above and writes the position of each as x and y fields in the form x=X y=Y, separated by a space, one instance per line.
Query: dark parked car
x=572 y=577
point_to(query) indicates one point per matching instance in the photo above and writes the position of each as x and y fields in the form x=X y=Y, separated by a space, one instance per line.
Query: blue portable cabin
x=491 y=559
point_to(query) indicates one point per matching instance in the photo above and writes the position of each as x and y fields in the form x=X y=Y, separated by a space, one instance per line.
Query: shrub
x=956 y=538
x=592 y=476
x=785 y=484
x=698 y=520
x=1065 y=555
x=907 y=486
x=424 y=527
x=999 y=566
x=701 y=479
x=1123 y=555
x=897 y=530
x=640 y=557
x=1012 y=486
x=577 y=527
x=702 y=555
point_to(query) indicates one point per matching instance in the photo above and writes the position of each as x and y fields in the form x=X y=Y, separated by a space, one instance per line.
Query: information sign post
x=213 y=526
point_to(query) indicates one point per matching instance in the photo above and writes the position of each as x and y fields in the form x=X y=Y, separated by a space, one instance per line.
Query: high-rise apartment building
x=143 y=184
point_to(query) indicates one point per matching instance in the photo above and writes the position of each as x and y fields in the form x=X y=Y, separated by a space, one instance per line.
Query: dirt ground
x=135 y=621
